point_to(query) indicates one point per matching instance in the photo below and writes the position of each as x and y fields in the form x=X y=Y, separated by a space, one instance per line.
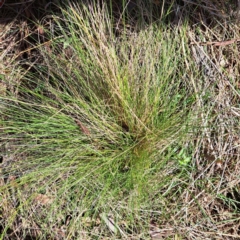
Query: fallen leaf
x=43 y=199
x=219 y=164
x=83 y=128
x=109 y=222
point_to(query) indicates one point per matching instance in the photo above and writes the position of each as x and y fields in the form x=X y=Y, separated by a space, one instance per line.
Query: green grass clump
x=99 y=127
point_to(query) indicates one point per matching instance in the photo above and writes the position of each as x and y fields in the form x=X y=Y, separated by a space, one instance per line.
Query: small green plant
x=183 y=158
x=180 y=154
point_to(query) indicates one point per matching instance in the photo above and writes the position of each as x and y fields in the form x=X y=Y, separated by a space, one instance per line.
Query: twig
x=217 y=43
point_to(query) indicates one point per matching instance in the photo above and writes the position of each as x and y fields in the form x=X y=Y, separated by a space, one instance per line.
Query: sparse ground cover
x=121 y=122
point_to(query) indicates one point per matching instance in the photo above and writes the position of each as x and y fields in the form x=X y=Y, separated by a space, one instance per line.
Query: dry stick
x=218 y=43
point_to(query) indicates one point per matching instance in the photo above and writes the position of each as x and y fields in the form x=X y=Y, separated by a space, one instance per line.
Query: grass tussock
x=121 y=134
